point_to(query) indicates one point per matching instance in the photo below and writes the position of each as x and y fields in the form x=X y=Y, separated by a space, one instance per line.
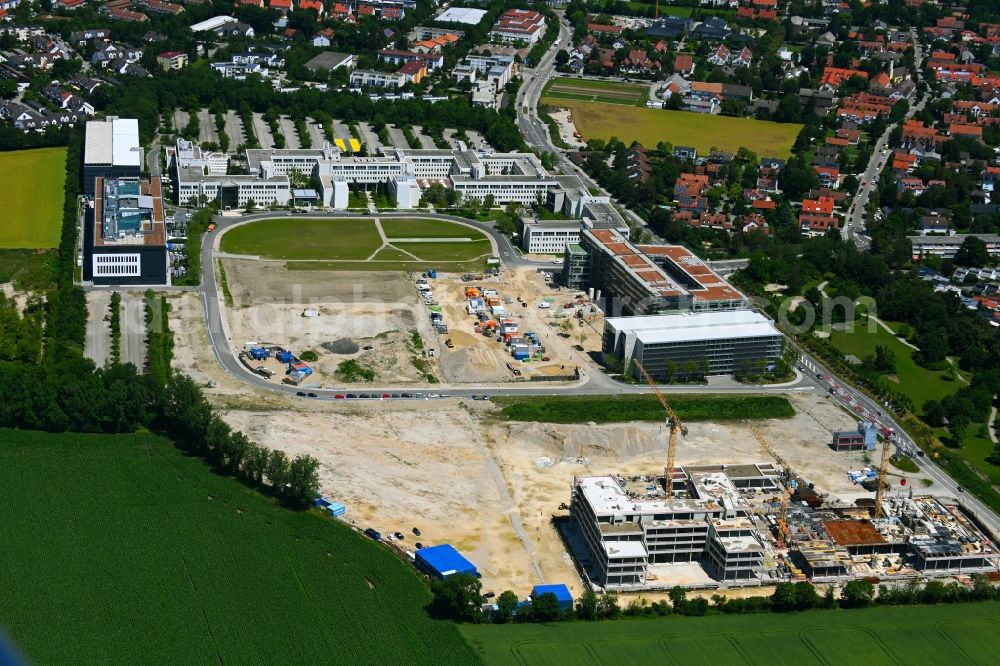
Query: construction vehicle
x=883 y=468
x=786 y=494
x=673 y=422
x=449 y=344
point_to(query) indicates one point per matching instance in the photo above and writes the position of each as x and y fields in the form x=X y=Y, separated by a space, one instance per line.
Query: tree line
x=459 y=598
x=46 y=383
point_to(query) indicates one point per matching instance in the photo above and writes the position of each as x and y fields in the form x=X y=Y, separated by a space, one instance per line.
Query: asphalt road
x=133 y=330
x=854 y=222
x=97 y=343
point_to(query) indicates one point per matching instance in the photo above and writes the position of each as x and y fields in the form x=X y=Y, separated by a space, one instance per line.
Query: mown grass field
x=347 y=244
x=304 y=238
x=618 y=409
x=121 y=550
x=595 y=90
x=595 y=120
x=960 y=634
x=31 y=194
x=918 y=383
x=404 y=227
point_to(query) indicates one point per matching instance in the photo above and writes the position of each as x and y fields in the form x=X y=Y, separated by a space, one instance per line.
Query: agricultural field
x=594 y=90
x=31 y=189
x=123 y=550
x=390 y=244
x=966 y=634
x=683 y=128
x=620 y=409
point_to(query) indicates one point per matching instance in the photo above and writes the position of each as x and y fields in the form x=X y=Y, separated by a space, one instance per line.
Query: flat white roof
x=657 y=329
x=125 y=142
x=114 y=141
x=462 y=15
x=97 y=146
x=212 y=23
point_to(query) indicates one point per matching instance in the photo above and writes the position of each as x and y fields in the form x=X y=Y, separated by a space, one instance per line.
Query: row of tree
x=459 y=598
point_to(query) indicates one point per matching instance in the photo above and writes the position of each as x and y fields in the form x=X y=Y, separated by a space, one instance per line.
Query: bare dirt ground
x=478 y=358
x=377 y=311
x=567 y=129
x=491 y=487
x=20 y=298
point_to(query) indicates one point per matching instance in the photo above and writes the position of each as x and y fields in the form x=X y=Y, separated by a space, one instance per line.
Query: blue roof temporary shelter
x=563 y=596
x=443 y=561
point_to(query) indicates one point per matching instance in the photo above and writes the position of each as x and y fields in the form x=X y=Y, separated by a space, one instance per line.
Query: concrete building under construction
x=634 y=535
x=630 y=524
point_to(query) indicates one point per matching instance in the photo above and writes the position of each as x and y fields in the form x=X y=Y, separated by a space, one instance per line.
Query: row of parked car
x=385 y=396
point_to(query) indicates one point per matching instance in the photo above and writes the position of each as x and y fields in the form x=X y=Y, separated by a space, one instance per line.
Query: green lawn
x=918 y=383
x=304 y=238
x=960 y=634
x=397 y=227
x=700 y=130
x=31 y=194
x=447 y=251
x=122 y=550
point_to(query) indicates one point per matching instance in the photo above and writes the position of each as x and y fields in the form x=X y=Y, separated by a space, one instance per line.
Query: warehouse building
x=673 y=347
x=630 y=526
x=111 y=150
x=648 y=279
x=124 y=239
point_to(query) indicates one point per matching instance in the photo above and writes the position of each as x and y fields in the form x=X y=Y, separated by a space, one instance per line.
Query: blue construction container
x=284 y=356
x=443 y=561
x=259 y=353
x=432 y=273
x=563 y=596
x=373 y=535
x=321 y=502
x=336 y=509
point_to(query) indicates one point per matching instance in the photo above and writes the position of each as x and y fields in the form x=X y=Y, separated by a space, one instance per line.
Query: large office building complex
x=124 y=238
x=506 y=177
x=687 y=346
x=647 y=279
x=111 y=150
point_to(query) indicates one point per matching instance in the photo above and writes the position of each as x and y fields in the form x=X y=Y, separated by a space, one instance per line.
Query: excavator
x=673 y=423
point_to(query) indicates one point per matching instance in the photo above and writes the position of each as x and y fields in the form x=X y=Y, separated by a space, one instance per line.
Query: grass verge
x=617 y=409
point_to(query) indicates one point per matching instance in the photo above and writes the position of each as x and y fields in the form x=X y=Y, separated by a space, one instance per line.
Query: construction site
x=760 y=524
x=510 y=326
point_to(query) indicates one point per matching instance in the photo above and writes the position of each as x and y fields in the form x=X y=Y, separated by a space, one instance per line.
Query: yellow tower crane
x=786 y=494
x=883 y=468
x=673 y=423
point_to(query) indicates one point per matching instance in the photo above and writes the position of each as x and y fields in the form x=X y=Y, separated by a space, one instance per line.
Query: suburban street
x=854 y=222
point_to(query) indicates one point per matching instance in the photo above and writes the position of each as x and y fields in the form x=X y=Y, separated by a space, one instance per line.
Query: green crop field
x=120 y=549
x=31 y=193
x=960 y=634
x=618 y=409
x=680 y=128
x=595 y=90
x=919 y=384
